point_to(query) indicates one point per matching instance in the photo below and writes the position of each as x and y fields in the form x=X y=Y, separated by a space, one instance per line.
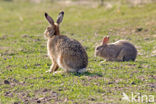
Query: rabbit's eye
x=98 y=48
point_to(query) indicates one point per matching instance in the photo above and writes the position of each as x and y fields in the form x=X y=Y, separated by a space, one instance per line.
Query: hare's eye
x=51 y=31
x=48 y=29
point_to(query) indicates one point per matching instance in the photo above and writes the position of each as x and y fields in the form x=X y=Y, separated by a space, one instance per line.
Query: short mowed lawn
x=24 y=60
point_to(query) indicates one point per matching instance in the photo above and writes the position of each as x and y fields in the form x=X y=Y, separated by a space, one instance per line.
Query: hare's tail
x=82 y=70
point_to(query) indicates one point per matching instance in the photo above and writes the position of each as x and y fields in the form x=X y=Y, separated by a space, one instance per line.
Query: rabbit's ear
x=105 y=40
x=50 y=20
x=60 y=17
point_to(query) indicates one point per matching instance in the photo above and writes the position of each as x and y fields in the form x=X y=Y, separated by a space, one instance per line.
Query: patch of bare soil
x=129 y=31
x=79 y=2
x=3 y=37
x=4 y=48
x=43 y=96
x=152 y=86
x=153 y=53
x=139 y=2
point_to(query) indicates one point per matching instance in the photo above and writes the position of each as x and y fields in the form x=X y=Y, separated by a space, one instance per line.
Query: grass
x=24 y=60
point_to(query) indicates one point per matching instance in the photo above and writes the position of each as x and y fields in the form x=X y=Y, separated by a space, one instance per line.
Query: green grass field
x=24 y=60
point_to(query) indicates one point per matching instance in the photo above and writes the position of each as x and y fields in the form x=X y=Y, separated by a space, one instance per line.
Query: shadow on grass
x=65 y=74
x=88 y=74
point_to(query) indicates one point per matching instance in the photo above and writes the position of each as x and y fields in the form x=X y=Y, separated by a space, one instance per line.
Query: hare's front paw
x=58 y=72
x=49 y=71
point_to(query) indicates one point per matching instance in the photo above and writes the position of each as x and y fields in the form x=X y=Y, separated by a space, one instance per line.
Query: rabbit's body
x=119 y=51
x=64 y=52
x=67 y=53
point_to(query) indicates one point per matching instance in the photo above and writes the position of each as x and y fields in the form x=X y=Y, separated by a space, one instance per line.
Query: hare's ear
x=105 y=40
x=50 y=20
x=60 y=17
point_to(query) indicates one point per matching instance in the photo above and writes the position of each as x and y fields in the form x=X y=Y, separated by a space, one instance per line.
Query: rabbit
x=121 y=50
x=64 y=52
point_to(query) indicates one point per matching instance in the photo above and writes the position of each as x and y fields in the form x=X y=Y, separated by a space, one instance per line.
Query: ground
x=24 y=60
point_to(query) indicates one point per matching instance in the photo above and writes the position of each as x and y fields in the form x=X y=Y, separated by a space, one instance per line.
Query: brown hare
x=119 y=51
x=64 y=52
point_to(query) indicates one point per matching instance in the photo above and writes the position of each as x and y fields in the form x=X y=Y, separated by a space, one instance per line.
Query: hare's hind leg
x=125 y=56
x=121 y=55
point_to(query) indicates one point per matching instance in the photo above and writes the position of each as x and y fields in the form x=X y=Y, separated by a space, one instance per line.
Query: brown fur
x=119 y=51
x=64 y=52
